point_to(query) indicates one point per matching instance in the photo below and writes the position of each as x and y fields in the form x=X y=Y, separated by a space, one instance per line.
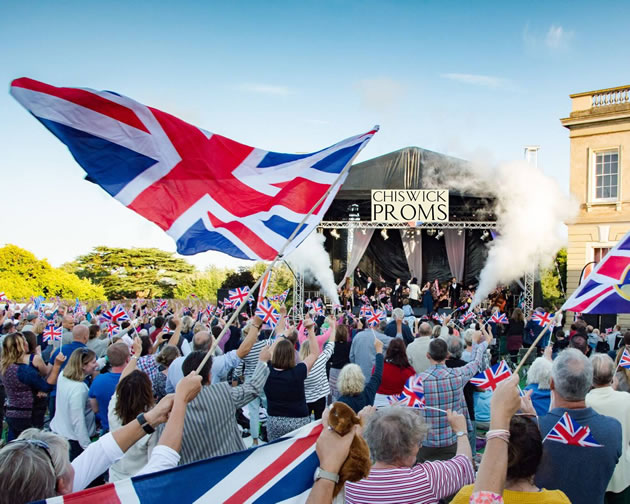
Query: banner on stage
x=407 y=205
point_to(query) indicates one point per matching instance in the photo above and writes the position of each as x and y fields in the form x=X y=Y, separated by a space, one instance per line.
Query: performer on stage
x=370 y=288
x=414 y=292
x=454 y=292
x=397 y=294
x=427 y=298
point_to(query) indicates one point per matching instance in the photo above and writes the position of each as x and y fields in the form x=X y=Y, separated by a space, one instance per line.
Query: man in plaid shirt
x=444 y=389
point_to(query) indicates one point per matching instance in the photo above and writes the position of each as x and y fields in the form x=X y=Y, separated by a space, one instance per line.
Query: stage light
x=460 y=232
x=485 y=235
x=431 y=232
x=384 y=234
x=363 y=232
x=439 y=234
x=335 y=234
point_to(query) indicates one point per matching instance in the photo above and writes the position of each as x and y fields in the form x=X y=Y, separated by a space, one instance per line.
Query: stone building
x=599 y=130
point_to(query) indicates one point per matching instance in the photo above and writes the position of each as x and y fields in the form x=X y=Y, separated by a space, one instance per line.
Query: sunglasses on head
x=39 y=444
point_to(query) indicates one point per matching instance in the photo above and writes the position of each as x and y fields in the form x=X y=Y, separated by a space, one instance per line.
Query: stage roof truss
x=405 y=225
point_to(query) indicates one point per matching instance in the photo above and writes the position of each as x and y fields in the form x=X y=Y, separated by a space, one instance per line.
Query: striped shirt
x=210 y=427
x=421 y=484
x=316 y=383
x=250 y=361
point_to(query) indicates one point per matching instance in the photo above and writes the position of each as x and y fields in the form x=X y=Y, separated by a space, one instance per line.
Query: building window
x=599 y=253
x=606 y=183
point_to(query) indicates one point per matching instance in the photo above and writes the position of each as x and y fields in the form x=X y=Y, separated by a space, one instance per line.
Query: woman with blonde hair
x=351 y=383
x=21 y=382
x=74 y=418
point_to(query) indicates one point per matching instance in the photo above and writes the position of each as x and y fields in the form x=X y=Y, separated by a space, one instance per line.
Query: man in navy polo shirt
x=104 y=385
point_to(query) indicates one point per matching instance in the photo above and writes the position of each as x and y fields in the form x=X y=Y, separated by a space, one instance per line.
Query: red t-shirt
x=394 y=379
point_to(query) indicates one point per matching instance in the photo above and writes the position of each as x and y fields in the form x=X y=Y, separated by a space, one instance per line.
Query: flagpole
x=295 y=232
x=531 y=348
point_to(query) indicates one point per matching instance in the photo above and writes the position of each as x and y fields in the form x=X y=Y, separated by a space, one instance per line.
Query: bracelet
x=257 y=326
x=498 y=433
x=144 y=424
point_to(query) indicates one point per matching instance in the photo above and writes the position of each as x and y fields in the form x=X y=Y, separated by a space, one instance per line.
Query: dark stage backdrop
x=387 y=258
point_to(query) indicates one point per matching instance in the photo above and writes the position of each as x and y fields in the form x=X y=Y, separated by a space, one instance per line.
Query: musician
x=454 y=292
x=397 y=293
x=370 y=288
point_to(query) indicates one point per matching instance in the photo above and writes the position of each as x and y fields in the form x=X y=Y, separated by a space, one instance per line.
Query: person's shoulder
x=554 y=496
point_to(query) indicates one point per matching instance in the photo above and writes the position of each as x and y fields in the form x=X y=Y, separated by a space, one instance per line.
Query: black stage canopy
x=409 y=168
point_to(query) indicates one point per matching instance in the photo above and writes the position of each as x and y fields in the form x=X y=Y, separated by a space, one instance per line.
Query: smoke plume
x=530 y=210
x=313 y=260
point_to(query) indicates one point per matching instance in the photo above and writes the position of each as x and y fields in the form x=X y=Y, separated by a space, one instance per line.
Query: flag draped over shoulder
x=206 y=191
x=278 y=472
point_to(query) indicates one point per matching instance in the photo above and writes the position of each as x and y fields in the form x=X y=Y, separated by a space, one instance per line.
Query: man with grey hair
x=417 y=351
x=606 y=401
x=362 y=351
x=397 y=329
x=563 y=465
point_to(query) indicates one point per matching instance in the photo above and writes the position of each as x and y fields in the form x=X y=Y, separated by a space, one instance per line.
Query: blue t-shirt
x=102 y=390
x=541 y=399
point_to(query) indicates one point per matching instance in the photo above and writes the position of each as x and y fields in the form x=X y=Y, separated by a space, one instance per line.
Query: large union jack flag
x=568 y=431
x=206 y=191
x=607 y=288
x=491 y=377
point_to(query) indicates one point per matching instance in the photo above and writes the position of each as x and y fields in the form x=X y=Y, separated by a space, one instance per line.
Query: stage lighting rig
x=431 y=232
x=439 y=234
x=384 y=234
x=485 y=235
x=335 y=234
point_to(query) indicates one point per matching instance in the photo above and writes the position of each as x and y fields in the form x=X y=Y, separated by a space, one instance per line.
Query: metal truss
x=405 y=225
x=528 y=302
x=298 y=293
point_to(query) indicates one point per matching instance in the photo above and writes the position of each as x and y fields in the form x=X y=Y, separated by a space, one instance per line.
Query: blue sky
x=470 y=79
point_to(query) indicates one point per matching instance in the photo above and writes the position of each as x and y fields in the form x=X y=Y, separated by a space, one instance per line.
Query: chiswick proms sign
x=406 y=205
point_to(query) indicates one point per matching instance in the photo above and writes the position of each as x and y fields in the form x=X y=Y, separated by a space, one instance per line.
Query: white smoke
x=313 y=260
x=530 y=209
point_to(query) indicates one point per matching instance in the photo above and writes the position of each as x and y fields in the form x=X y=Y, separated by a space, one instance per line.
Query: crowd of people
x=103 y=403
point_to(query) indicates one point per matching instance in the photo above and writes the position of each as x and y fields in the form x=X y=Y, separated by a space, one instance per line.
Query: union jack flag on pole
x=624 y=362
x=264 y=285
x=568 y=431
x=499 y=318
x=491 y=377
x=238 y=295
x=116 y=314
x=204 y=190
x=375 y=317
x=412 y=394
x=52 y=333
x=607 y=288
x=542 y=318
x=268 y=313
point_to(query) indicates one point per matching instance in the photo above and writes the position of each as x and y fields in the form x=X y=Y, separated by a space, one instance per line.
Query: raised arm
x=251 y=338
x=312 y=343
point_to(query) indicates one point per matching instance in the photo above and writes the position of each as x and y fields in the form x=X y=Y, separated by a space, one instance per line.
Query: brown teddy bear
x=357 y=466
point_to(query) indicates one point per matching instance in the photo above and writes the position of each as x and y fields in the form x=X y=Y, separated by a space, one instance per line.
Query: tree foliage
x=553 y=284
x=22 y=275
x=135 y=272
x=203 y=285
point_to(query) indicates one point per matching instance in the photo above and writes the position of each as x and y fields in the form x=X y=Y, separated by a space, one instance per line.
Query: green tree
x=281 y=277
x=135 y=272
x=203 y=285
x=553 y=284
x=22 y=275
x=240 y=278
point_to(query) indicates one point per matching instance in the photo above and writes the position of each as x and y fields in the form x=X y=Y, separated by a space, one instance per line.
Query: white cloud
x=381 y=92
x=476 y=80
x=558 y=37
x=267 y=89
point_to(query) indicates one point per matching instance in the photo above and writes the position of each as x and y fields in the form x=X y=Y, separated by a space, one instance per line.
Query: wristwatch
x=321 y=474
x=144 y=424
x=460 y=433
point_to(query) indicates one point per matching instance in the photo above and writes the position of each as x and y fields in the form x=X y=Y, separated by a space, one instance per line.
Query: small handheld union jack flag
x=116 y=314
x=365 y=311
x=491 y=377
x=208 y=310
x=162 y=304
x=624 y=362
x=52 y=333
x=542 y=318
x=318 y=309
x=438 y=318
x=112 y=330
x=499 y=318
x=375 y=317
x=568 y=431
x=467 y=317
x=412 y=394
x=238 y=296
x=268 y=313
x=308 y=303
x=3 y=297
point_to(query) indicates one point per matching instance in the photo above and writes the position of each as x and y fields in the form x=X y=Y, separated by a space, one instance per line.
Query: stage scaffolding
x=357 y=224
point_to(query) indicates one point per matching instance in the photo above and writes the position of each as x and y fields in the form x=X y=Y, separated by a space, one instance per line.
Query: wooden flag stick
x=531 y=348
